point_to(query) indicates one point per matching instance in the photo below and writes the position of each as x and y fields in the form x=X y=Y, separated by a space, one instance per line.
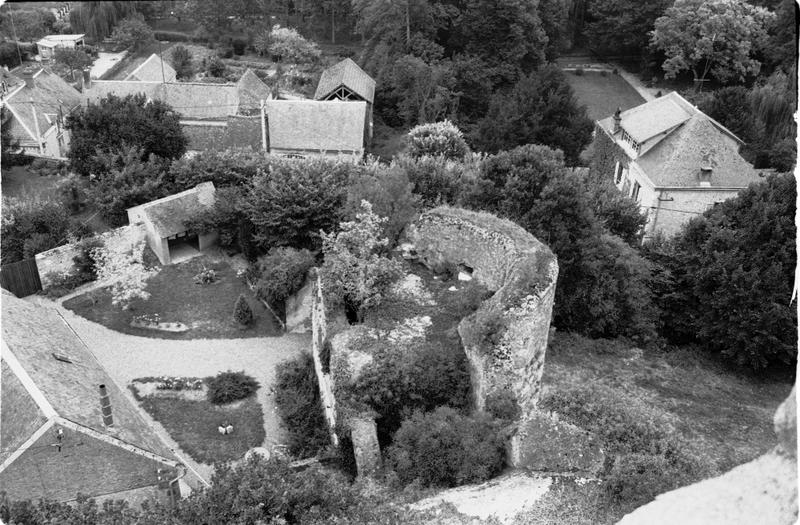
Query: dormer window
x=631 y=141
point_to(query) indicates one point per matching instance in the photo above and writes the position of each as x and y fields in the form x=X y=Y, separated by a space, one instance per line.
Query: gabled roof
x=35 y=383
x=235 y=132
x=652 y=118
x=316 y=126
x=153 y=70
x=169 y=214
x=346 y=73
x=252 y=90
x=676 y=160
x=102 y=88
x=49 y=93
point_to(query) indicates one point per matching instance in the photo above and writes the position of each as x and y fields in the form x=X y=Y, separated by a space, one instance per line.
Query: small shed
x=165 y=223
x=47 y=45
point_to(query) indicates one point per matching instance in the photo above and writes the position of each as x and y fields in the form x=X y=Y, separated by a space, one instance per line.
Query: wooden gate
x=21 y=278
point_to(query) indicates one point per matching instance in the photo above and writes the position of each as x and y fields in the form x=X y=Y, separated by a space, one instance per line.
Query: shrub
x=181 y=60
x=62 y=283
x=239 y=46
x=502 y=405
x=489 y=327
x=225 y=52
x=242 y=313
x=206 y=276
x=445 y=448
x=282 y=273
x=286 y=44
x=299 y=404
x=229 y=386
x=86 y=260
x=437 y=139
x=579 y=71
x=216 y=67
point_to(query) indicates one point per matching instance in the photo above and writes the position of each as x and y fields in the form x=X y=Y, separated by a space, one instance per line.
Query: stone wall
x=319 y=331
x=522 y=272
x=60 y=260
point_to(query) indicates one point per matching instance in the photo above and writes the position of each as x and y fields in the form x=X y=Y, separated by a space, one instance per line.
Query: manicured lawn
x=193 y=423
x=206 y=309
x=602 y=95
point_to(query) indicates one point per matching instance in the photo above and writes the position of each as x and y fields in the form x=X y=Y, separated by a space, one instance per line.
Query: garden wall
x=60 y=260
x=319 y=331
x=506 y=339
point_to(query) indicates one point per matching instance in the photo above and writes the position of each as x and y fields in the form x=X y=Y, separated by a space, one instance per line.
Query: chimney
x=705 y=176
x=27 y=76
x=86 y=80
x=617 y=120
x=105 y=407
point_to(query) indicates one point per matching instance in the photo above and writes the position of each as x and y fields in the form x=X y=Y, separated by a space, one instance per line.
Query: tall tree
x=73 y=59
x=622 y=26
x=133 y=32
x=97 y=19
x=717 y=37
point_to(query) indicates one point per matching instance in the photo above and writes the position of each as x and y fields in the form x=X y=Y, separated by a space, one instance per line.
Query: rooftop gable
x=153 y=70
x=252 y=90
x=49 y=95
x=317 y=126
x=348 y=74
x=169 y=214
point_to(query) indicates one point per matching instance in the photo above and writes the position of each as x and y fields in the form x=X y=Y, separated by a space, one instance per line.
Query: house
x=38 y=104
x=298 y=128
x=65 y=427
x=153 y=70
x=164 y=223
x=672 y=159
x=346 y=81
x=48 y=45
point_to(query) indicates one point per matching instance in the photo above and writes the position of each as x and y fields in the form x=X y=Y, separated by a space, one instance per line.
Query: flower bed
x=152 y=322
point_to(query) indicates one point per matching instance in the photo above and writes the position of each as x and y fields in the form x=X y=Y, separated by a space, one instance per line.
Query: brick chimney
x=105 y=407
x=705 y=175
x=27 y=76
x=617 y=120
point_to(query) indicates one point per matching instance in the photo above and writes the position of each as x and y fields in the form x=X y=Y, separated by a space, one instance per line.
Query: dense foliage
x=133 y=32
x=229 y=386
x=73 y=59
x=730 y=277
x=300 y=407
x=281 y=273
x=115 y=123
x=242 y=312
x=181 y=60
x=437 y=139
x=445 y=448
x=32 y=227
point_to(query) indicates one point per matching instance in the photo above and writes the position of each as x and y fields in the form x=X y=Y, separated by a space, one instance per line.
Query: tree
x=354 y=274
x=116 y=122
x=181 y=60
x=731 y=273
x=554 y=15
x=125 y=272
x=29 y=228
x=281 y=273
x=242 y=313
x=720 y=37
x=9 y=143
x=27 y=25
x=133 y=32
x=216 y=67
x=97 y=19
x=287 y=45
x=439 y=138
x=542 y=109
x=620 y=27
x=73 y=59
x=300 y=407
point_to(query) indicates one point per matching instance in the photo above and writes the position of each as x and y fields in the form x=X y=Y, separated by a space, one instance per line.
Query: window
x=631 y=142
x=618 y=173
x=635 y=192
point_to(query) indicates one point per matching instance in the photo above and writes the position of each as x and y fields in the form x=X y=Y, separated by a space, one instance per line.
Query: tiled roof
x=151 y=71
x=49 y=94
x=316 y=126
x=235 y=132
x=169 y=214
x=252 y=90
x=102 y=88
x=676 y=160
x=32 y=334
x=652 y=118
x=20 y=416
x=346 y=73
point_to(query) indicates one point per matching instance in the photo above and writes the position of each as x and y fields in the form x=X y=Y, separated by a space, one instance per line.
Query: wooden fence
x=21 y=278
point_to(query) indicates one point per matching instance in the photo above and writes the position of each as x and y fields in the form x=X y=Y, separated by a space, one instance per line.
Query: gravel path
x=126 y=357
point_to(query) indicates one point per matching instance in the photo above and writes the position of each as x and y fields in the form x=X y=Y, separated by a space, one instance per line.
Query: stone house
x=38 y=104
x=672 y=159
x=299 y=128
x=47 y=46
x=65 y=427
x=164 y=223
x=346 y=81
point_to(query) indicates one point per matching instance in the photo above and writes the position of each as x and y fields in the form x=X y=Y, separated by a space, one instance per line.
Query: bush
x=227 y=387
x=206 y=276
x=285 y=44
x=282 y=273
x=437 y=139
x=63 y=283
x=225 y=52
x=579 y=71
x=86 y=260
x=239 y=46
x=299 y=404
x=216 y=67
x=242 y=313
x=445 y=448
x=181 y=60
x=502 y=405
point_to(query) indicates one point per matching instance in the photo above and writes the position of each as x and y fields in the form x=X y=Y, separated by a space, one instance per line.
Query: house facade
x=672 y=159
x=38 y=103
x=65 y=427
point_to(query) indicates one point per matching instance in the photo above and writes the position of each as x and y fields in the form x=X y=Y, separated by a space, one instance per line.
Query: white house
x=48 y=45
x=672 y=159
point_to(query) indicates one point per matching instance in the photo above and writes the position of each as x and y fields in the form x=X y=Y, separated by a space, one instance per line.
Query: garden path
x=126 y=357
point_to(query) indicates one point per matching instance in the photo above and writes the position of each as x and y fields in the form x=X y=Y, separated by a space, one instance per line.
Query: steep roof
x=346 y=73
x=151 y=70
x=252 y=90
x=32 y=334
x=48 y=94
x=169 y=214
x=235 y=132
x=676 y=160
x=317 y=126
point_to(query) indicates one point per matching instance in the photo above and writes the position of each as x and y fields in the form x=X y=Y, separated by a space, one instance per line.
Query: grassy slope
x=603 y=94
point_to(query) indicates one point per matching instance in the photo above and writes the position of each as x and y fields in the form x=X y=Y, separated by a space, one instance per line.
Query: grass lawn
x=206 y=309
x=602 y=95
x=193 y=423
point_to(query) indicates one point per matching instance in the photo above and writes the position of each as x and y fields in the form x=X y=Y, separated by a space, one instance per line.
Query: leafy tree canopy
x=133 y=32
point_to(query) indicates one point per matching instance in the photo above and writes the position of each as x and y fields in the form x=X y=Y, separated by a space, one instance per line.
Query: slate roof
x=676 y=160
x=252 y=90
x=20 y=416
x=346 y=73
x=316 y=126
x=168 y=214
x=235 y=132
x=151 y=71
x=49 y=93
x=32 y=333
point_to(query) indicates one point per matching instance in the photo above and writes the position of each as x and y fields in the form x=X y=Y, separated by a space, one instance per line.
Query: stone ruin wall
x=59 y=260
x=319 y=334
x=522 y=272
